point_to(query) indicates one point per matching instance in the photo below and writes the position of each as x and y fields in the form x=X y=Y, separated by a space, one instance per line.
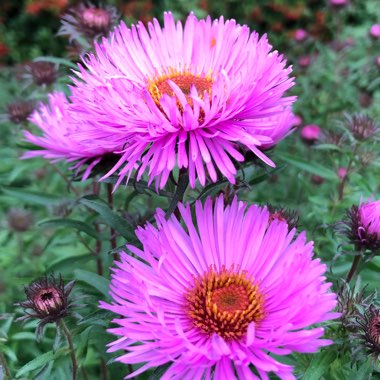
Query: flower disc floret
x=218 y=293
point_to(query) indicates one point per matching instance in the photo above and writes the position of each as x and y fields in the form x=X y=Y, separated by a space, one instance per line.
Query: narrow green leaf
x=98 y=282
x=76 y=224
x=318 y=365
x=32 y=197
x=69 y=262
x=109 y=216
x=264 y=176
x=310 y=167
x=59 y=61
x=38 y=362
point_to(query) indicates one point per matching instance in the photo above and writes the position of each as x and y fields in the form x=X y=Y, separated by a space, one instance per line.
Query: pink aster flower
x=211 y=296
x=300 y=35
x=374 y=31
x=188 y=96
x=64 y=136
x=310 y=133
x=362 y=225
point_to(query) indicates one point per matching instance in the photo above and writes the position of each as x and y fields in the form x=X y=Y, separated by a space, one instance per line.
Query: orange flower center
x=224 y=303
x=185 y=80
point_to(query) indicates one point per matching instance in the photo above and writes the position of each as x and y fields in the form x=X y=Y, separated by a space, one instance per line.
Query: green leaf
x=109 y=216
x=76 y=224
x=98 y=282
x=58 y=61
x=32 y=197
x=39 y=362
x=262 y=177
x=310 y=167
x=69 y=262
x=319 y=365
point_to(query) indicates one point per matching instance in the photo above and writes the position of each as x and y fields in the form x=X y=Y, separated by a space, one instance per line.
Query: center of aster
x=225 y=303
x=185 y=81
x=48 y=299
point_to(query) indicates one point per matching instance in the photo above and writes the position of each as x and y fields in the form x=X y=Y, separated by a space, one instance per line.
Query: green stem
x=354 y=267
x=72 y=351
x=344 y=180
x=183 y=182
x=3 y=363
x=112 y=231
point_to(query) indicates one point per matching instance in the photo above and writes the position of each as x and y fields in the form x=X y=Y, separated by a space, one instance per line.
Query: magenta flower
x=192 y=96
x=219 y=294
x=300 y=35
x=64 y=136
x=310 y=133
x=374 y=31
x=362 y=226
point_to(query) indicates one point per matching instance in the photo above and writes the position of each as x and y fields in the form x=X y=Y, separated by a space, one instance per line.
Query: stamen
x=225 y=303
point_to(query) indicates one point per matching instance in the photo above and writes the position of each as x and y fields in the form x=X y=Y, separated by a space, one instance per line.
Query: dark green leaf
x=76 y=224
x=311 y=167
x=39 y=362
x=109 y=216
x=98 y=282
x=319 y=365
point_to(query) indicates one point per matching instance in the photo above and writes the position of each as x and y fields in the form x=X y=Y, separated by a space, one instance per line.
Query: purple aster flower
x=211 y=295
x=64 y=136
x=362 y=225
x=190 y=96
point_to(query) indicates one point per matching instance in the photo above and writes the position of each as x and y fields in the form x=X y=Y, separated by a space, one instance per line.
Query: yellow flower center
x=224 y=303
x=184 y=80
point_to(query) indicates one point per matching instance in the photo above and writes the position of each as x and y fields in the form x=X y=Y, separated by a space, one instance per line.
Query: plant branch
x=3 y=363
x=72 y=351
x=354 y=267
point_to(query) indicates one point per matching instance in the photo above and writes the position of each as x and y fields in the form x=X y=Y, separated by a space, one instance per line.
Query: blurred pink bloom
x=304 y=61
x=300 y=35
x=338 y=3
x=218 y=294
x=378 y=61
x=297 y=120
x=342 y=172
x=374 y=31
x=310 y=133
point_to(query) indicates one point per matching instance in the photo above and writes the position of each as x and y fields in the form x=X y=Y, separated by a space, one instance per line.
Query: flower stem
x=183 y=182
x=71 y=346
x=354 y=267
x=3 y=363
x=112 y=231
x=344 y=179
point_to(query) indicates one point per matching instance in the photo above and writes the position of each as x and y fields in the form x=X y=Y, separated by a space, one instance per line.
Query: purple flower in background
x=300 y=35
x=338 y=3
x=310 y=133
x=374 y=31
x=219 y=293
x=188 y=95
x=65 y=136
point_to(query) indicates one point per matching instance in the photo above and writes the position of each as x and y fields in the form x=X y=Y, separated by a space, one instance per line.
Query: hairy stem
x=71 y=346
x=354 y=267
x=112 y=231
